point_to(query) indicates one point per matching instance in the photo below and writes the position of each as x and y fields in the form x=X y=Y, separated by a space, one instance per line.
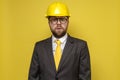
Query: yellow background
x=22 y=23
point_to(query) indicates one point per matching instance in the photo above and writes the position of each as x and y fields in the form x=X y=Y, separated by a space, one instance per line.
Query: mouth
x=59 y=28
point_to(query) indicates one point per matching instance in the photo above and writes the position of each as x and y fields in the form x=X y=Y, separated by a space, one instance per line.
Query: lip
x=58 y=28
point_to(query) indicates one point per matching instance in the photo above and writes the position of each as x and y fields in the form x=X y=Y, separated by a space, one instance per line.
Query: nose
x=58 y=21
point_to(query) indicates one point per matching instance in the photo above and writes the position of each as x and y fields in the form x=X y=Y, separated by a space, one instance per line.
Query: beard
x=58 y=34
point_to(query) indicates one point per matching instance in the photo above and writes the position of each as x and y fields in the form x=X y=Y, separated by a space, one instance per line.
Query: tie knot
x=58 y=42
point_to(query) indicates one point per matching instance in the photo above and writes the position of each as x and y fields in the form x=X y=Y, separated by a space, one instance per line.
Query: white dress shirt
x=62 y=40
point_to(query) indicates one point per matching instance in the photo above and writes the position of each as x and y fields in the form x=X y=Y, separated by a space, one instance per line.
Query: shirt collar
x=62 y=39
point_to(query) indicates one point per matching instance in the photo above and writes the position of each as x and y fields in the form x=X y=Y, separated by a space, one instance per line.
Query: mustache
x=58 y=26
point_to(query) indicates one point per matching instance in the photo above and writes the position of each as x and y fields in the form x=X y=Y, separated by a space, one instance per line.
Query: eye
x=63 y=19
x=54 y=19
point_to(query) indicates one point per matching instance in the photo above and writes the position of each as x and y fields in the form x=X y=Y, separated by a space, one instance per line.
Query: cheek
x=52 y=26
x=65 y=26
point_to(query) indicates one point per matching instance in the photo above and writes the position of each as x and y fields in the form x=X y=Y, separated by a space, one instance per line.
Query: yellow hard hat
x=57 y=9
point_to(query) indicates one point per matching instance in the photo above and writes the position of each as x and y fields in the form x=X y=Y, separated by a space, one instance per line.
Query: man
x=60 y=57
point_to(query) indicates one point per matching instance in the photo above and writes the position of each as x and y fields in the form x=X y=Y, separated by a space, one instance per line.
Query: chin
x=59 y=35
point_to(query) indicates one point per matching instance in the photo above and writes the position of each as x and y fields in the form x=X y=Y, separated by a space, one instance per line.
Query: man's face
x=58 y=25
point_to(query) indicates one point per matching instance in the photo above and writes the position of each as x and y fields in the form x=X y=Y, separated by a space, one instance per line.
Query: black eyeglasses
x=62 y=20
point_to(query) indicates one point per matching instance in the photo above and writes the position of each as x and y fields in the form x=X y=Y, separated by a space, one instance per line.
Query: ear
x=48 y=22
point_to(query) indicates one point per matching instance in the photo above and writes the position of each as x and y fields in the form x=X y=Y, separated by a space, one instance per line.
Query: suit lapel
x=49 y=51
x=66 y=51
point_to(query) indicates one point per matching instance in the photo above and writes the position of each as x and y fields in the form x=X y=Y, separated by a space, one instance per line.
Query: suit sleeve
x=34 y=66
x=84 y=68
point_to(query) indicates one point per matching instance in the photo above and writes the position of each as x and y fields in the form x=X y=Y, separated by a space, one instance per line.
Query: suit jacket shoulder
x=44 y=41
x=77 y=41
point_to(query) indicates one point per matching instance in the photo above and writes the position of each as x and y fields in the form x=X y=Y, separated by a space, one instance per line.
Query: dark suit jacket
x=74 y=64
